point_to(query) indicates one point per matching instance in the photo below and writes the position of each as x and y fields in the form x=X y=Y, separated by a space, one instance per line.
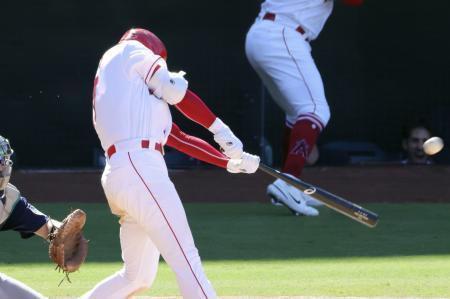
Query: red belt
x=271 y=17
x=144 y=144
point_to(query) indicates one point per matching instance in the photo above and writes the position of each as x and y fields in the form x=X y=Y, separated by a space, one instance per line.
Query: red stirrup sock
x=285 y=144
x=302 y=139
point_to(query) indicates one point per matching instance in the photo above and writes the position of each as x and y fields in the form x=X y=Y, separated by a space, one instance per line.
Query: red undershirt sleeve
x=196 y=110
x=195 y=147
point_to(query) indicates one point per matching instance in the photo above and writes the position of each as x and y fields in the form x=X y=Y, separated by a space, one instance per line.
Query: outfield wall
x=356 y=183
x=383 y=64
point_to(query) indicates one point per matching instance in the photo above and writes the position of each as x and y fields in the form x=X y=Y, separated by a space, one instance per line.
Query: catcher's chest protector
x=8 y=202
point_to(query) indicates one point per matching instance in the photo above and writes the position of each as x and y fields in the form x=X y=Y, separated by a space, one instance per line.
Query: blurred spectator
x=413 y=138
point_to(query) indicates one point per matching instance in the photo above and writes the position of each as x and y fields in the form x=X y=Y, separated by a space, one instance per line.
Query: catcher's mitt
x=68 y=248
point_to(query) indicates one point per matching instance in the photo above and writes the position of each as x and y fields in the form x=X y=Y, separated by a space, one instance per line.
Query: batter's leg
x=140 y=258
x=157 y=207
x=14 y=289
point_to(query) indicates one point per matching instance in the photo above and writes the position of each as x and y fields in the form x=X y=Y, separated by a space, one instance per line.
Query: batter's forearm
x=196 y=110
x=196 y=147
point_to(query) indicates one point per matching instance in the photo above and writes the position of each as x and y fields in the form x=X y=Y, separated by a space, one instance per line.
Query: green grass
x=260 y=250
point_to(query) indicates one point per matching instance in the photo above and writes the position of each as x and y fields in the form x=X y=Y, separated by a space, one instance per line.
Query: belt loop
x=269 y=16
x=300 y=30
x=160 y=148
x=111 y=151
x=145 y=143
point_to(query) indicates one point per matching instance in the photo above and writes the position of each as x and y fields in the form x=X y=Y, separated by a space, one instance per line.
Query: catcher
x=67 y=248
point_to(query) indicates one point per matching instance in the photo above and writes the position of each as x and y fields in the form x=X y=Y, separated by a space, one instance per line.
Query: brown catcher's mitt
x=68 y=248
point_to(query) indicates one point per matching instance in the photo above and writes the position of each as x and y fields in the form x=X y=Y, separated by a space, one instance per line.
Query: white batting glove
x=229 y=143
x=246 y=164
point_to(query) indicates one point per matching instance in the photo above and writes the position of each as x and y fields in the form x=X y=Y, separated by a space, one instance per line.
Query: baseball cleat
x=275 y=202
x=290 y=197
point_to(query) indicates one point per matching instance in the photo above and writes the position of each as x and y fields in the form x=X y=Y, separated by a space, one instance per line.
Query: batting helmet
x=148 y=39
x=5 y=162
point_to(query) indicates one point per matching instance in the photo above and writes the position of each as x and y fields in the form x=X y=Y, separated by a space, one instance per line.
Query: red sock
x=302 y=139
x=285 y=144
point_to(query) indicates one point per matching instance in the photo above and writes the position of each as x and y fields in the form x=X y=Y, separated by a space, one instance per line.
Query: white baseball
x=433 y=145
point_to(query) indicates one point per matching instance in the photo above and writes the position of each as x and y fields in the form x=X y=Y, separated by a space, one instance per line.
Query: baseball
x=433 y=145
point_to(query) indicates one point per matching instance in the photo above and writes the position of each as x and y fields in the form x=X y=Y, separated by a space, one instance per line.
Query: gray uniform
x=15 y=214
x=8 y=202
x=13 y=289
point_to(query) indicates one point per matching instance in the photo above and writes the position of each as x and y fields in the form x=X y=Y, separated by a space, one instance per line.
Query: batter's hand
x=231 y=145
x=246 y=164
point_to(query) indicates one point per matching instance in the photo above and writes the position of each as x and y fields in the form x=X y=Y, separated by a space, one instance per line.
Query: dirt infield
x=357 y=183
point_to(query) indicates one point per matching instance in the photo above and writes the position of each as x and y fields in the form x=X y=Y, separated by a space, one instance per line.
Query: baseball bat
x=337 y=203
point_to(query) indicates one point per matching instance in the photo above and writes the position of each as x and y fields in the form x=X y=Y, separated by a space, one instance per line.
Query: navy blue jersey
x=25 y=219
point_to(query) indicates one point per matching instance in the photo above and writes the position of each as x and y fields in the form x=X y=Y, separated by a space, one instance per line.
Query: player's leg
x=309 y=115
x=140 y=258
x=305 y=93
x=283 y=60
x=11 y=288
x=157 y=207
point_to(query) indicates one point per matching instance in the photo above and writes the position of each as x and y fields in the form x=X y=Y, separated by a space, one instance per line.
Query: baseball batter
x=19 y=215
x=133 y=89
x=278 y=48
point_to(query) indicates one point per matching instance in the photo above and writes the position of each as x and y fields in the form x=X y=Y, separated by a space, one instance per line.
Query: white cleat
x=292 y=198
x=275 y=202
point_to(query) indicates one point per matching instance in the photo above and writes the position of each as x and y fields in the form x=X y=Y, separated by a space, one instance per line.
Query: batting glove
x=246 y=164
x=228 y=142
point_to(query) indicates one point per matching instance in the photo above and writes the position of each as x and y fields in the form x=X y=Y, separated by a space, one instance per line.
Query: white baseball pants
x=153 y=221
x=282 y=58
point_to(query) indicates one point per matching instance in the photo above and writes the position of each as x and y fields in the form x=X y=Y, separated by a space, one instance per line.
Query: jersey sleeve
x=25 y=219
x=138 y=60
x=168 y=86
x=195 y=147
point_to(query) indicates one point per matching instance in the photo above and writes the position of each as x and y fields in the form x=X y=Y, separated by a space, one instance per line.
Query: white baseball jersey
x=136 y=181
x=124 y=107
x=310 y=14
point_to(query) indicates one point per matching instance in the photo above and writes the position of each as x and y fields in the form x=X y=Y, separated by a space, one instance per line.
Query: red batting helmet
x=148 y=39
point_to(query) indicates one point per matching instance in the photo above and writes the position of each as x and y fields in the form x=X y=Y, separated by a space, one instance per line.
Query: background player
x=132 y=92
x=278 y=48
x=19 y=215
x=413 y=138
